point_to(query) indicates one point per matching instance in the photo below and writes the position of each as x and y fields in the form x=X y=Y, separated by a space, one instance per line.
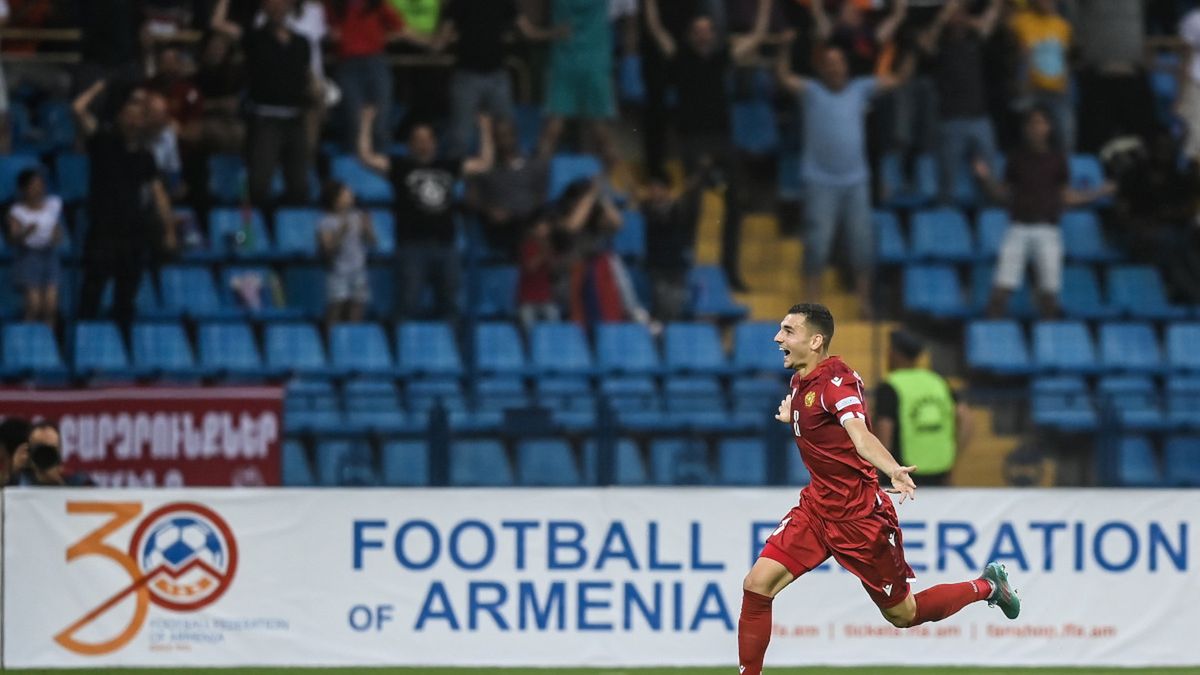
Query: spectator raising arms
x=424 y=206
x=1045 y=38
x=344 y=236
x=580 y=85
x=509 y=195
x=35 y=229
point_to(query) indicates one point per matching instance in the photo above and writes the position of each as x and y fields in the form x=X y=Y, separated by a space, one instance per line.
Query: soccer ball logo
x=187 y=555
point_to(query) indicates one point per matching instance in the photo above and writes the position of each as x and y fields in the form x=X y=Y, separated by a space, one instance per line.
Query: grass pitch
x=877 y=670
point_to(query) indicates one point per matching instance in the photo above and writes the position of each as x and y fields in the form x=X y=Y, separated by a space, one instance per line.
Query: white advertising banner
x=585 y=577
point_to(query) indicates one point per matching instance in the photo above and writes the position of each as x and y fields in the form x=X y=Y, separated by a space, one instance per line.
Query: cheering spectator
x=674 y=17
x=834 y=166
x=424 y=208
x=1037 y=190
x=1114 y=92
x=128 y=206
x=509 y=195
x=1045 y=39
x=538 y=278
x=34 y=227
x=163 y=143
x=699 y=68
x=362 y=30
x=580 y=82
x=14 y=449
x=955 y=42
x=671 y=223
x=344 y=236
x=851 y=32
x=220 y=78
x=1188 y=106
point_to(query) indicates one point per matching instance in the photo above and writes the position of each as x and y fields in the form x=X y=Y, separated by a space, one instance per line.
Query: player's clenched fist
x=784 y=413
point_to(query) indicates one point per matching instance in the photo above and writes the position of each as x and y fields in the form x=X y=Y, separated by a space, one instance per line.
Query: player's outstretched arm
x=871 y=449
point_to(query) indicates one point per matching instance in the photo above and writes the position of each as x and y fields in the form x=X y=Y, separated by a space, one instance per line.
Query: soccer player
x=843 y=512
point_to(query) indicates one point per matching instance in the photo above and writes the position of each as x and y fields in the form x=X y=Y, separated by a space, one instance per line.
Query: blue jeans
x=472 y=93
x=959 y=140
x=366 y=80
x=424 y=264
x=827 y=206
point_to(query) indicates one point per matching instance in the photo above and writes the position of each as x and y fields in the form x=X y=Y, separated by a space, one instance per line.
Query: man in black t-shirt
x=423 y=202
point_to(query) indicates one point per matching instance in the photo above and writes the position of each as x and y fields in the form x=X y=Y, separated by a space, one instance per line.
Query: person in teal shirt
x=580 y=84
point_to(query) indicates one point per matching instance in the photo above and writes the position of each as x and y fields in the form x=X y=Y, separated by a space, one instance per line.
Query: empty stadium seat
x=626 y=348
x=1064 y=346
x=711 y=296
x=345 y=463
x=890 y=247
x=566 y=169
x=312 y=406
x=570 y=400
x=236 y=232
x=383 y=292
x=1132 y=402
x=990 y=227
x=1183 y=401
x=754 y=127
x=755 y=399
x=427 y=348
x=694 y=348
x=72 y=172
x=423 y=395
x=630 y=85
x=499 y=350
x=1181 y=456
x=741 y=461
x=229 y=349
x=295 y=468
x=630 y=240
x=941 y=234
x=560 y=348
x=57 y=121
x=11 y=303
x=11 y=166
x=227 y=178
x=1083 y=239
x=697 y=403
x=296 y=232
x=998 y=347
x=99 y=350
x=1137 y=465
x=897 y=188
x=1081 y=298
x=754 y=348
x=30 y=351
x=631 y=394
x=1130 y=347
x=384 y=224
x=479 y=464
x=1062 y=403
x=1087 y=174
x=304 y=287
x=1182 y=339
x=629 y=469
x=497 y=294
x=1138 y=291
x=296 y=348
x=547 y=463
x=374 y=406
x=360 y=349
x=498 y=394
x=405 y=463
x=679 y=462
x=162 y=350
x=368 y=186
x=189 y=291
x=934 y=290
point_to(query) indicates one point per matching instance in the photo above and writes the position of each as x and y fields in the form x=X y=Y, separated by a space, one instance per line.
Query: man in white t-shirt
x=1188 y=107
x=33 y=227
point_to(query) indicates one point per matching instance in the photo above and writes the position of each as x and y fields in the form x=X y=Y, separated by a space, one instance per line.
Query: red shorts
x=871 y=548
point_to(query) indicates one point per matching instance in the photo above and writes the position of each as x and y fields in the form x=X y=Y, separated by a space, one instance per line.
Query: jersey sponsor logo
x=837 y=381
x=887 y=588
x=809 y=398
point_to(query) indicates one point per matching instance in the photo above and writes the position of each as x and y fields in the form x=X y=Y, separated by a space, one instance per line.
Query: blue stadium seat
x=1138 y=290
x=368 y=187
x=1081 y=297
x=374 y=406
x=11 y=303
x=99 y=350
x=145 y=303
x=754 y=348
x=679 y=462
x=754 y=127
x=560 y=348
x=629 y=469
x=479 y=464
x=405 y=463
x=631 y=394
x=1087 y=173
x=630 y=240
x=529 y=126
x=696 y=402
x=57 y=121
x=711 y=296
x=236 y=232
x=694 y=348
x=741 y=461
x=304 y=288
x=1182 y=461
x=344 y=463
x=294 y=466
x=1183 y=401
x=547 y=463
x=629 y=79
x=11 y=166
x=890 y=247
x=1182 y=339
x=998 y=347
x=424 y=395
x=498 y=394
x=934 y=290
x=384 y=224
x=360 y=349
x=237 y=292
x=941 y=234
x=755 y=399
x=296 y=348
x=1020 y=303
x=312 y=406
x=566 y=169
x=427 y=348
x=569 y=399
x=1136 y=464
x=626 y=348
x=1132 y=402
x=227 y=178
x=383 y=292
x=190 y=291
x=31 y=352
x=71 y=174
x=1062 y=403
x=497 y=294
x=296 y=232
x=990 y=227
x=1083 y=239
x=229 y=350
x=964 y=190
x=498 y=349
x=898 y=191
x=1130 y=347
x=1064 y=346
x=162 y=350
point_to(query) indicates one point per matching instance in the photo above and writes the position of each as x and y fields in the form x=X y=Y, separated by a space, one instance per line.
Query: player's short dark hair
x=817 y=317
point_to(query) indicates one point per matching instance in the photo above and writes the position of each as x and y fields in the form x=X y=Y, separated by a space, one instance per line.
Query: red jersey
x=844 y=485
x=364 y=31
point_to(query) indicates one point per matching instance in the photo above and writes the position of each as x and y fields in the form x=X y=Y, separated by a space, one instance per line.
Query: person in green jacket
x=917 y=415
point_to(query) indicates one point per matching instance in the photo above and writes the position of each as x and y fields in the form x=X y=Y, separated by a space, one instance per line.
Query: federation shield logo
x=809 y=398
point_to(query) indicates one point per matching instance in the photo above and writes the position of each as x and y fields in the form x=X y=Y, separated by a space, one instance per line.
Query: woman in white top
x=34 y=229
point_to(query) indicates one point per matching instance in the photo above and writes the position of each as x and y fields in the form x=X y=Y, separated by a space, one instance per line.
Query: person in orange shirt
x=1045 y=39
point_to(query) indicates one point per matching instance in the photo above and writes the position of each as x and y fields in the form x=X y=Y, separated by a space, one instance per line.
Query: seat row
x=1068 y=347
x=475 y=463
x=1139 y=462
x=1128 y=402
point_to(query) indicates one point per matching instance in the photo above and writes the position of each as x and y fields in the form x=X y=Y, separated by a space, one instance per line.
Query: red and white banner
x=162 y=437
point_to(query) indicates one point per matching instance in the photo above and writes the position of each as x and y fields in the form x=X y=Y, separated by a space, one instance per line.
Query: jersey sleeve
x=842 y=397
